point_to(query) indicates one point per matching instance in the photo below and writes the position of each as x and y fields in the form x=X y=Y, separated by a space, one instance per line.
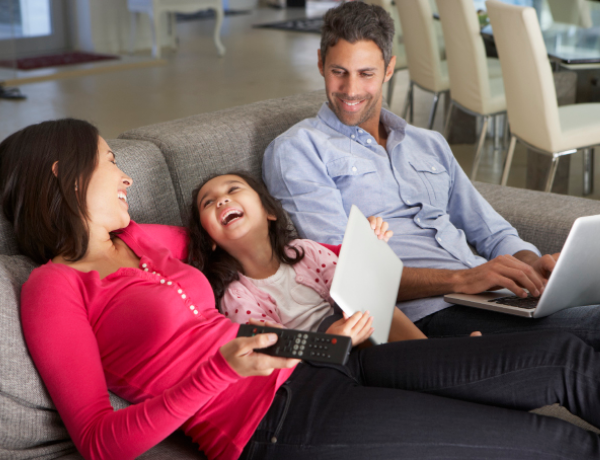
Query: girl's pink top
x=244 y=300
x=152 y=336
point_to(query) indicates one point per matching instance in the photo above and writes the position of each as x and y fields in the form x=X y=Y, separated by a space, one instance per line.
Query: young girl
x=241 y=239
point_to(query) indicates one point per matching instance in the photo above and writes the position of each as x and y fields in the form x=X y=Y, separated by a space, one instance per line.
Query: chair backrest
x=421 y=45
x=528 y=83
x=465 y=53
x=398 y=44
x=576 y=12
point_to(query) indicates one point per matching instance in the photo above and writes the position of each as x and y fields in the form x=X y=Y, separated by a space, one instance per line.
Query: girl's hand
x=357 y=327
x=380 y=228
x=242 y=358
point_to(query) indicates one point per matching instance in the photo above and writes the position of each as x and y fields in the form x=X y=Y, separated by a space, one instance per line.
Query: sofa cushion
x=199 y=146
x=151 y=197
x=543 y=219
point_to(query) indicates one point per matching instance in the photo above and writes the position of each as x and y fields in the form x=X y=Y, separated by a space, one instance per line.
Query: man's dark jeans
x=458 y=321
x=459 y=398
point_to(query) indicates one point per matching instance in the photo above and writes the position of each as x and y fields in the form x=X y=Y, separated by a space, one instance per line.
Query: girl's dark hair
x=49 y=211
x=220 y=268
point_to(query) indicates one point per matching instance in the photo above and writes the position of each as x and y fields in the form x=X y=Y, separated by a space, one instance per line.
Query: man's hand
x=357 y=327
x=502 y=272
x=242 y=358
x=543 y=265
x=380 y=227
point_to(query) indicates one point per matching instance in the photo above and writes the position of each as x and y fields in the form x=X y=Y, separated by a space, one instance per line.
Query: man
x=355 y=152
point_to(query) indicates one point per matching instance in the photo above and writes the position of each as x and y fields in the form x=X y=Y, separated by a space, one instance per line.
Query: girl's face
x=107 y=192
x=231 y=210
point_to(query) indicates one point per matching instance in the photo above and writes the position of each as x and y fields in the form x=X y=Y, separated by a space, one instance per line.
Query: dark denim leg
x=458 y=321
x=332 y=415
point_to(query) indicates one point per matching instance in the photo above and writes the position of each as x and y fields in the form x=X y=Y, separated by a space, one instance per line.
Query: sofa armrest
x=543 y=219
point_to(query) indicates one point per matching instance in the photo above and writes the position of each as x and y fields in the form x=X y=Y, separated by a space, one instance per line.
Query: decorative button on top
x=368 y=141
x=354 y=168
x=183 y=296
x=179 y=291
x=192 y=307
x=145 y=269
x=144 y=265
x=162 y=281
x=433 y=168
x=352 y=136
x=360 y=131
x=169 y=283
x=195 y=312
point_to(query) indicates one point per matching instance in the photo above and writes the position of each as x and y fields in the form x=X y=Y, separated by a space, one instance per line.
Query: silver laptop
x=574 y=282
x=367 y=276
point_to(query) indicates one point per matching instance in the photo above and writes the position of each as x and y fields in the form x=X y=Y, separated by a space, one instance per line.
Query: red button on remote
x=334 y=341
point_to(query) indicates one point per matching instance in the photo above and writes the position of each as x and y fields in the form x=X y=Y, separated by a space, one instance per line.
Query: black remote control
x=310 y=346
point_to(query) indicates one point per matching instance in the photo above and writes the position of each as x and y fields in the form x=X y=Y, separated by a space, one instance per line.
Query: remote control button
x=312 y=353
x=298 y=340
x=295 y=347
x=301 y=347
x=300 y=353
x=334 y=341
x=305 y=336
x=304 y=342
x=294 y=352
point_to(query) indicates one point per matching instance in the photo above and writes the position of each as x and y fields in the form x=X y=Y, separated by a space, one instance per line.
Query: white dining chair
x=575 y=12
x=426 y=68
x=156 y=8
x=476 y=84
x=533 y=112
x=397 y=46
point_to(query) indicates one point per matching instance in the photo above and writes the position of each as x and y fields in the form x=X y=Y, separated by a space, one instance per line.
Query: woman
x=113 y=307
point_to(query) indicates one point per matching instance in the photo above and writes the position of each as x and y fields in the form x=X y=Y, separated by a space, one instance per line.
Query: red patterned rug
x=55 y=60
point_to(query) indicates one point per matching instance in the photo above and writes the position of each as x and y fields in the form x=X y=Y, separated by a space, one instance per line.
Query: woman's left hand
x=380 y=227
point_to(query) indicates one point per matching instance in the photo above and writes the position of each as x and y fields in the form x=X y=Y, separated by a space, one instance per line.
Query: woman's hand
x=357 y=327
x=242 y=358
x=380 y=228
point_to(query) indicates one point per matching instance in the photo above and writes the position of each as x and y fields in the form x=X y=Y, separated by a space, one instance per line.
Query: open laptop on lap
x=574 y=282
x=367 y=276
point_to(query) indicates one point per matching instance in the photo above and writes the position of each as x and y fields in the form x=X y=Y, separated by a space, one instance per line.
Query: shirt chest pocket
x=359 y=182
x=303 y=295
x=432 y=177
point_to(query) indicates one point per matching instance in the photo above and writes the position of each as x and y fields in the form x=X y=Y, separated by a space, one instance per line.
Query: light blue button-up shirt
x=320 y=167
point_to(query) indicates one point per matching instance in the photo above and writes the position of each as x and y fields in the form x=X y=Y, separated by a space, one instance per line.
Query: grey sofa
x=166 y=161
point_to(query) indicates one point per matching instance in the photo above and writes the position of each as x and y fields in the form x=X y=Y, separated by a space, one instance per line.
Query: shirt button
x=195 y=312
x=360 y=131
x=418 y=220
x=433 y=168
x=439 y=239
x=169 y=283
x=144 y=265
x=192 y=307
x=183 y=296
x=145 y=269
x=407 y=201
x=354 y=168
x=162 y=281
x=179 y=291
x=368 y=141
x=352 y=136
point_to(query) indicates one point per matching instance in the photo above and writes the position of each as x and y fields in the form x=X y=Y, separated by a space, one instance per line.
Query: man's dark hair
x=220 y=268
x=354 y=21
x=49 y=211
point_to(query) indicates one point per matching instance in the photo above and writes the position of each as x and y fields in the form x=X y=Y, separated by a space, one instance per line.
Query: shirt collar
x=390 y=120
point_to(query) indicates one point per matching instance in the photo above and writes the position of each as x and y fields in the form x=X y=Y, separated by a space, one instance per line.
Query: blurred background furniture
x=533 y=112
x=476 y=84
x=427 y=70
x=155 y=8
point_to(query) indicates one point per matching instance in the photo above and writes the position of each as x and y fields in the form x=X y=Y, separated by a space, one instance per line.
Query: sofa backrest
x=200 y=146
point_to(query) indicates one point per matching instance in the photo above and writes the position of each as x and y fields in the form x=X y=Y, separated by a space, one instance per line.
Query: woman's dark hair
x=355 y=21
x=220 y=268
x=49 y=211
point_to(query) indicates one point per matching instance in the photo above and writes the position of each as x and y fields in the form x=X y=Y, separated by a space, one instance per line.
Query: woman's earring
x=214 y=246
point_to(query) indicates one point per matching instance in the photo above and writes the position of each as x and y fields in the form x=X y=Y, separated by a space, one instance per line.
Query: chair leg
x=436 y=98
x=496 y=132
x=132 y=32
x=486 y=120
x=390 y=92
x=506 y=131
x=588 y=172
x=217 y=33
x=551 y=174
x=509 y=157
x=448 y=121
x=155 y=26
x=408 y=102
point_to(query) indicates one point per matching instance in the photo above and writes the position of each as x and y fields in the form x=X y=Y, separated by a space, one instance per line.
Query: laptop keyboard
x=527 y=303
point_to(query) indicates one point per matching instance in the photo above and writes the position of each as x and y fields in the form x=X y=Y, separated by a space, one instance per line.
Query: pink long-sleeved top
x=152 y=336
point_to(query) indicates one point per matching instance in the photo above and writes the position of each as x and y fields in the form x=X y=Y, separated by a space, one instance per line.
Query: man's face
x=354 y=75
